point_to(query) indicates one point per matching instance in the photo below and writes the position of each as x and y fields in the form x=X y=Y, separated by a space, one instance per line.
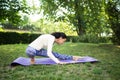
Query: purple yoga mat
x=26 y=61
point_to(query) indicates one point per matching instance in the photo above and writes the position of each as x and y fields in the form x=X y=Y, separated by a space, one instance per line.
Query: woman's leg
x=31 y=53
x=43 y=53
x=62 y=56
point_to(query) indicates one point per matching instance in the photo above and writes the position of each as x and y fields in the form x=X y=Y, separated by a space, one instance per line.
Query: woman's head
x=60 y=37
x=59 y=34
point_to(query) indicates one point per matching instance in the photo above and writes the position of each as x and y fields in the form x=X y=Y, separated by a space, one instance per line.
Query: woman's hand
x=75 y=58
x=62 y=63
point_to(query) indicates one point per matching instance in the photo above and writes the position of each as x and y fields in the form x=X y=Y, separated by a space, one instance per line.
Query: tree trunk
x=79 y=27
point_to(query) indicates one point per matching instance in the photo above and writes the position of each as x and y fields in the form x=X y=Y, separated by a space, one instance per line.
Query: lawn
x=107 y=69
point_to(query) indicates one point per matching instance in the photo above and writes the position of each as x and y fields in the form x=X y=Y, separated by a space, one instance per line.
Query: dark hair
x=59 y=34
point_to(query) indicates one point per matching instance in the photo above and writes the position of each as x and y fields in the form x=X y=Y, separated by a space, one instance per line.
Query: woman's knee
x=30 y=52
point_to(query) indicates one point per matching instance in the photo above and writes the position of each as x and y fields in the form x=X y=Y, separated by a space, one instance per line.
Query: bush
x=14 y=37
x=88 y=38
x=116 y=39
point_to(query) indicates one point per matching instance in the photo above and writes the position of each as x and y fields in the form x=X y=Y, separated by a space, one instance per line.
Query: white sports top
x=45 y=41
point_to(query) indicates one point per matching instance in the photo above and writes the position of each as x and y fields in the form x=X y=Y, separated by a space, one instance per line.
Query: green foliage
x=8 y=25
x=89 y=38
x=114 y=19
x=14 y=37
x=106 y=69
x=28 y=27
x=9 y=10
x=1 y=29
x=88 y=16
x=49 y=26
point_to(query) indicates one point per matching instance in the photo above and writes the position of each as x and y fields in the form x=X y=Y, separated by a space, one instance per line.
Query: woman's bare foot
x=75 y=58
x=32 y=61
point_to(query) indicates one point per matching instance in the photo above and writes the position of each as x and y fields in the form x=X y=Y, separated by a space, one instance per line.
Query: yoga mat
x=47 y=61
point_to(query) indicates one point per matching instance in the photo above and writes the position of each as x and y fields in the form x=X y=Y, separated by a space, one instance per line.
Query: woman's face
x=60 y=40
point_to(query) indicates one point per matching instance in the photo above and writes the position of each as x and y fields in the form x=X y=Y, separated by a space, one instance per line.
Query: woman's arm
x=49 y=50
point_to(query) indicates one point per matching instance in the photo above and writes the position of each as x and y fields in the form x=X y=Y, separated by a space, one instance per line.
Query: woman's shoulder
x=49 y=36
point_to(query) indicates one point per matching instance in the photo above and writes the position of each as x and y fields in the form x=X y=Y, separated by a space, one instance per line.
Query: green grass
x=107 y=69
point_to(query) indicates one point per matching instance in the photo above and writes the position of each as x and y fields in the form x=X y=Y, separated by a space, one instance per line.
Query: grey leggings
x=31 y=52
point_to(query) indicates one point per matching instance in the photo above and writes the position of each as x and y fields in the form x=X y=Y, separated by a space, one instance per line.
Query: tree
x=113 y=11
x=83 y=14
x=9 y=10
x=44 y=26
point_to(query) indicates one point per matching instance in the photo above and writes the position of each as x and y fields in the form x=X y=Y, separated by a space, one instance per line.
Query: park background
x=92 y=26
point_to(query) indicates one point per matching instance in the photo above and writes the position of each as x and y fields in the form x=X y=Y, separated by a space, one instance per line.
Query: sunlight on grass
x=106 y=69
x=118 y=46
